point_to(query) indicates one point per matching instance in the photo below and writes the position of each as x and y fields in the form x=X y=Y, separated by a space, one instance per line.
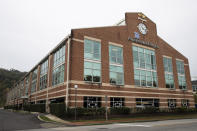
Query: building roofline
x=172 y=47
x=43 y=59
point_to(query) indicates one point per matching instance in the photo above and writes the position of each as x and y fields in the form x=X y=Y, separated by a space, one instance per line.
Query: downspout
x=68 y=67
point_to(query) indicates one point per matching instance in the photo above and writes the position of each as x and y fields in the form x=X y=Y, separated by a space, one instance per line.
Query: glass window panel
x=181 y=74
x=143 y=73
x=137 y=80
x=140 y=50
x=137 y=72
x=87 y=64
x=96 y=76
x=149 y=81
x=135 y=48
x=147 y=64
x=143 y=80
x=136 y=64
x=91 y=50
x=148 y=73
x=119 y=69
x=116 y=75
x=96 y=66
x=92 y=71
x=115 y=54
x=113 y=78
x=119 y=78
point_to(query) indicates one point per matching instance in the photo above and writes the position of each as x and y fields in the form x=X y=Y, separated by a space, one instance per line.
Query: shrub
x=120 y=111
x=58 y=109
x=14 y=107
x=147 y=110
x=26 y=107
x=37 y=108
x=180 y=110
x=86 y=112
x=34 y=107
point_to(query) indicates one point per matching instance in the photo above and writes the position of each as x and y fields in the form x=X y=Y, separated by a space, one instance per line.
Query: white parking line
x=133 y=125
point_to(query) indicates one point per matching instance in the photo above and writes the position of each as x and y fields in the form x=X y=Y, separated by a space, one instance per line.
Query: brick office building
x=129 y=63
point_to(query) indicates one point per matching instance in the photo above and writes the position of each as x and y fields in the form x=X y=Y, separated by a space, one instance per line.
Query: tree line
x=7 y=80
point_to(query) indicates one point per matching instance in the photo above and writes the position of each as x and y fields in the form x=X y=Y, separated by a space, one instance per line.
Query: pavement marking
x=139 y=125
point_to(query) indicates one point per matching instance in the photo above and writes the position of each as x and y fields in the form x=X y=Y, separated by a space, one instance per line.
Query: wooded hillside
x=7 y=79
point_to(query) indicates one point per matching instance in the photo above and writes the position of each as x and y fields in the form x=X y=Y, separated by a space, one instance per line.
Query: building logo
x=143 y=42
x=136 y=35
x=141 y=26
x=142 y=17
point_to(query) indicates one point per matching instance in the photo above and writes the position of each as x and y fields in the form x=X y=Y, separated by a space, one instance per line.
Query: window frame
x=87 y=102
x=116 y=65
x=137 y=50
x=34 y=80
x=121 y=102
x=168 y=73
x=27 y=85
x=185 y=103
x=171 y=103
x=59 y=64
x=181 y=74
x=44 y=75
x=143 y=102
x=92 y=60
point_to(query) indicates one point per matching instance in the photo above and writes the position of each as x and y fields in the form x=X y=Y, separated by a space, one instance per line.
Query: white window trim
x=58 y=65
x=138 y=45
x=115 y=44
x=92 y=38
x=167 y=56
x=167 y=72
x=180 y=60
x=117 y=64
x=44 y=68
x=93 y=60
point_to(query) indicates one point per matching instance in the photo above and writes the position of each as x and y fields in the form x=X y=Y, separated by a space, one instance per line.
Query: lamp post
x=106 y=116
x=75 y=86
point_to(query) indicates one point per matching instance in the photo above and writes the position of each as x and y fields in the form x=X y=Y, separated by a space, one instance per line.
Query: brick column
x=49 y=80
x=37 y=83
x=29 y=89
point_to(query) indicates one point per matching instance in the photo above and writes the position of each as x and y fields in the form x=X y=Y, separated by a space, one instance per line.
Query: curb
x=41 y=119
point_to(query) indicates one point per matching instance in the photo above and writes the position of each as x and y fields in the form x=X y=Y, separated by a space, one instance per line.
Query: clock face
x=142 y=28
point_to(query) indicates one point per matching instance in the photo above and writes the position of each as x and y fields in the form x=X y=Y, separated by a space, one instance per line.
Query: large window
x=43 y=75
x=58 y=66
x=21 y=88
x=169 y=78
x=34 y=81
x=116 y=65
x=185 y=103
x=116 y=102
x=59 y=57
x=92 y=61
x=194 y=88
x=145 y=73
x=181 y=74
x=92 y=102
x=171 y=103
x=26 y=85
x=146 y=102
x=92 y=71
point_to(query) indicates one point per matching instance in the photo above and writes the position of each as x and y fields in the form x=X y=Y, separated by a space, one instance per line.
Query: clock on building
x=142 y=28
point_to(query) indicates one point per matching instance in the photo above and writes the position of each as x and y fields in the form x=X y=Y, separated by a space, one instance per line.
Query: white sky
x=29 y=29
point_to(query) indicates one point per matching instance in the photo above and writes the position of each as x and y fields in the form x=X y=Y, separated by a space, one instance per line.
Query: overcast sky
x=29 y=29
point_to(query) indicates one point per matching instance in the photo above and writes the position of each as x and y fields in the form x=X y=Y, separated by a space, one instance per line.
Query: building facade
x=127 y=64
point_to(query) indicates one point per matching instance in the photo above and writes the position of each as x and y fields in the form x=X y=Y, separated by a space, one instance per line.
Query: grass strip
x=44 y=118
x=135 y=119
